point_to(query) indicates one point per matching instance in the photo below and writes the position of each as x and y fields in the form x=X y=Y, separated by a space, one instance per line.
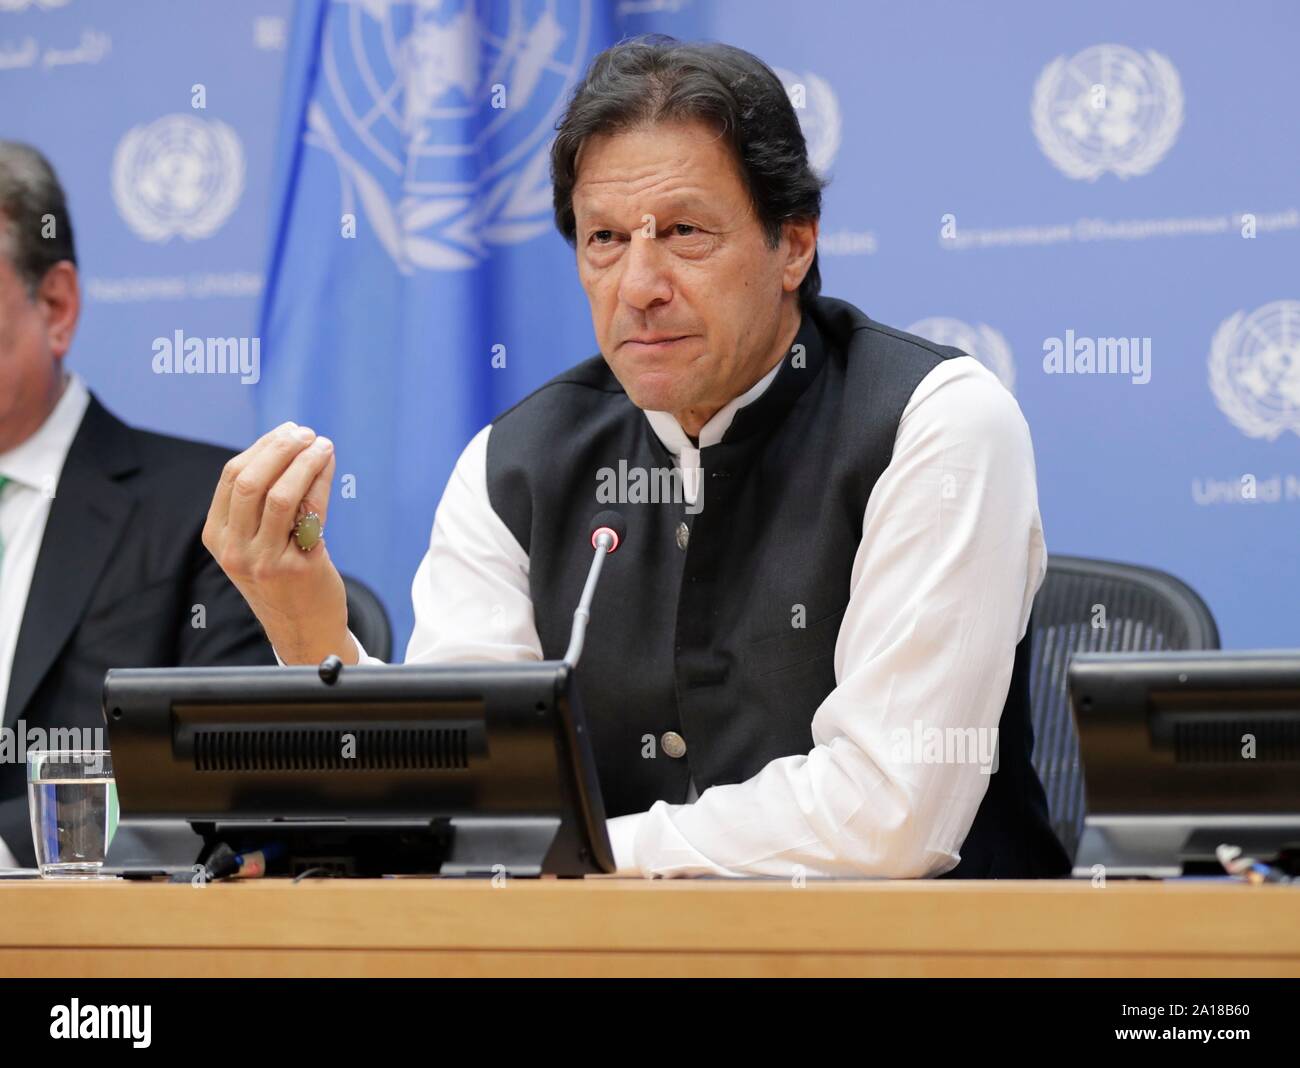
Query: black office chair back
x=368 y=619
x=1097 y=606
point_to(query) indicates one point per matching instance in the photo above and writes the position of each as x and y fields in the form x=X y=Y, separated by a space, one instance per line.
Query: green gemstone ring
x=307 y=531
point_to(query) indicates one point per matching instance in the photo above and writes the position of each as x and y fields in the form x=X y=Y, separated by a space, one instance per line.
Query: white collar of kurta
x=675 y=440
x=38 y=461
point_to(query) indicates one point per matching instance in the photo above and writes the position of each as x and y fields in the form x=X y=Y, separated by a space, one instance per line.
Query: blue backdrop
x=357 y=190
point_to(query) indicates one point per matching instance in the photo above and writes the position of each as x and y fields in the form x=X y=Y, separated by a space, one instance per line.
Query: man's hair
x=29 y=192
x=655 y=78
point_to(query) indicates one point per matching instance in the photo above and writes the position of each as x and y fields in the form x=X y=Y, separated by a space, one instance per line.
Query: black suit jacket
x=120 y=572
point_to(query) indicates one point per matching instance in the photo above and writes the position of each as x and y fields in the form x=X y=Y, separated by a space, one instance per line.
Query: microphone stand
x=605 y=543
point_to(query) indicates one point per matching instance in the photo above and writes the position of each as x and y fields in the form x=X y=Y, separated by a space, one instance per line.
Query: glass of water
x=73 y=804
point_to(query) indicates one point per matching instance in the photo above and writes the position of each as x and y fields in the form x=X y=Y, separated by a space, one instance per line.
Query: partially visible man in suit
x=101 y=562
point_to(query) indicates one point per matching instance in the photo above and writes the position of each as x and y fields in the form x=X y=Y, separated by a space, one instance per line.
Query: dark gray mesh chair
x=368 y=619
x=1145 y=611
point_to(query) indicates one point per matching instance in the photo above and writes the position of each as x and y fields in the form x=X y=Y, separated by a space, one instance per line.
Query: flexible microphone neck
x=606 y=536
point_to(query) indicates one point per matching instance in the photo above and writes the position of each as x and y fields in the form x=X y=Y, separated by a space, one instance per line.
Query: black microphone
x=608 y=529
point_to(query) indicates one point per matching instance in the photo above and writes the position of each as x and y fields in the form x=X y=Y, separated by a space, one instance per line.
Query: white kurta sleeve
x=470 y=592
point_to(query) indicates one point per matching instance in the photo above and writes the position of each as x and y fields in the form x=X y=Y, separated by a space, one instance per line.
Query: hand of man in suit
x=297 y=595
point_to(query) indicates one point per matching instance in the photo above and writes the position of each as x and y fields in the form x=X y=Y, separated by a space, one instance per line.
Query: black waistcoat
x=691 y=630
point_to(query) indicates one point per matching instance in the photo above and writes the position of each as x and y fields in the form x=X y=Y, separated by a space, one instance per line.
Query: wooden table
x=608 y=927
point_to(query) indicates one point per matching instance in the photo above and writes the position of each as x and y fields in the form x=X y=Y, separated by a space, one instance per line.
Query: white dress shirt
x=952 y=554
x=33 y=469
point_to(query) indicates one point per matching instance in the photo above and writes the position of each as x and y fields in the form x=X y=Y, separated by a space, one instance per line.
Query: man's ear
x=800 y=238
x=59 y=298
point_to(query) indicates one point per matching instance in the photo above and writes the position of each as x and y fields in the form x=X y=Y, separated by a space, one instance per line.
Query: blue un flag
x=417 y=285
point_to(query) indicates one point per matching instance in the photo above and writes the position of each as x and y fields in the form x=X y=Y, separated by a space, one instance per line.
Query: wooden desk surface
x=636 y=927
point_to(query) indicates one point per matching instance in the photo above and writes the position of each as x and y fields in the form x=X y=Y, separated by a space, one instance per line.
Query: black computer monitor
x=368 y=770
x=1183 y=751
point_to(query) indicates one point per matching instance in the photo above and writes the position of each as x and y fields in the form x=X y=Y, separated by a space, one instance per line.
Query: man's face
x=689 y=303
x=34 y=335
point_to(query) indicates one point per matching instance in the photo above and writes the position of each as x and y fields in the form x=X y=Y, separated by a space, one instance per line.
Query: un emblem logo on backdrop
x=1255 y=369
x=818 y=110
x=1107 y=108
x=439 y=117
x=181 y=175
x=979 y=340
